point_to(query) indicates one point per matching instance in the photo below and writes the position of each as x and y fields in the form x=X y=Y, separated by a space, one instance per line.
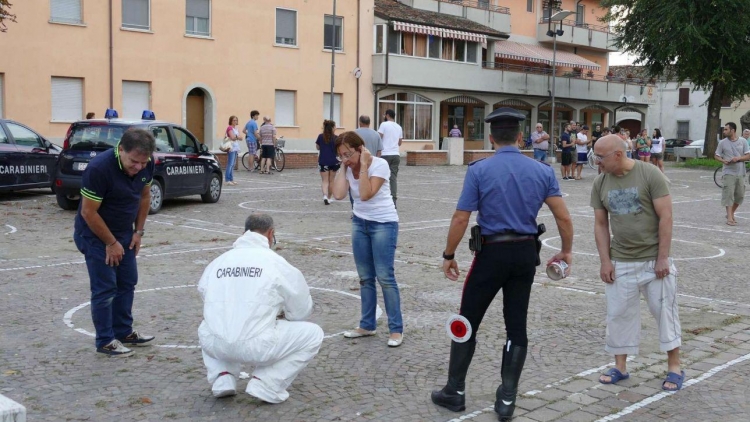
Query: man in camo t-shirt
x=632 y=197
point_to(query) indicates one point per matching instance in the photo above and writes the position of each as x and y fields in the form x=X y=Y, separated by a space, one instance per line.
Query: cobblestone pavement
x=48 y=364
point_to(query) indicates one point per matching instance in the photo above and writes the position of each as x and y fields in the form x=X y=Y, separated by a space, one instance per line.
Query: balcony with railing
x=484 y=12
x=578 y=34
x=509 y=79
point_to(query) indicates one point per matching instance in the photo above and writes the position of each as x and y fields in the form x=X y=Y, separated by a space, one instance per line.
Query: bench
x=11 y=411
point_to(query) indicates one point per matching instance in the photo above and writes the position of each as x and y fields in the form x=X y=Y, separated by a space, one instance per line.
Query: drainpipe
x=359 y=22
x=333 y=59
x=387 y=56
x=111 y=62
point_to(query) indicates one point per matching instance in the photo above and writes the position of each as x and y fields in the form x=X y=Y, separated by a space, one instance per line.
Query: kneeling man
x=244 y=290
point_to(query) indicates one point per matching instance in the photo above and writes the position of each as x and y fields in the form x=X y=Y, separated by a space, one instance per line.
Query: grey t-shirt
x=629 y=201
x=372 y=139
x=728 y=149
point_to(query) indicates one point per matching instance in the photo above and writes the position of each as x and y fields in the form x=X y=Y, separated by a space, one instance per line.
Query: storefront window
x=413 y=113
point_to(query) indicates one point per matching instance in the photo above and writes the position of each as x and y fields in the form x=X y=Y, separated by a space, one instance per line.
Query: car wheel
x=65 y=202
x=157 y=197
x=214 y=190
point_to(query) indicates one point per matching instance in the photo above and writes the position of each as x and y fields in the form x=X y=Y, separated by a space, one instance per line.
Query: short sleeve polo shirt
x=105 y=182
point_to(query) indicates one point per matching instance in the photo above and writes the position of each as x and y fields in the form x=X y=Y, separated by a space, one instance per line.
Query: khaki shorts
x=733 y=191
x=624 y=311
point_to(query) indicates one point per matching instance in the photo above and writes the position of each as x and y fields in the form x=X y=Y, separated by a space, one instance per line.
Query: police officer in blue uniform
x=115 y=196
x=508 y=190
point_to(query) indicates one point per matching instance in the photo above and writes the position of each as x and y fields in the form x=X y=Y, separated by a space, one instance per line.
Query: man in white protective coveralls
x=244 y=290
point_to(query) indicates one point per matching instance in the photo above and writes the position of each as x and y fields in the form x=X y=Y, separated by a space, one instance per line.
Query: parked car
x=670 y=144
x=696 y=144
x=27 y=159
x=183 y=165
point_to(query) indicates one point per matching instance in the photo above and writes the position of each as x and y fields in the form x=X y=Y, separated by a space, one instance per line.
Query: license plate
x=81 y=166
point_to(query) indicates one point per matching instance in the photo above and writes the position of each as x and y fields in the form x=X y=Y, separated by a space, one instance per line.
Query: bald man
x=632 y=197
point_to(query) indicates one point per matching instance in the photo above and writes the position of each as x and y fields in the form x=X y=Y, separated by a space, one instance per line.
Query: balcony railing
x=571 y=22
x=563 y=73
x=479 y=4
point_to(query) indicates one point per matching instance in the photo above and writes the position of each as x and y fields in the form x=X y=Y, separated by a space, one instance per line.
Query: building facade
x=194 y=62
x=440 y=63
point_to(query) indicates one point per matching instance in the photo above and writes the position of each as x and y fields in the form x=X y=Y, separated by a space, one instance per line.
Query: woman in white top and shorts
x=657 y=150
x=374 y=232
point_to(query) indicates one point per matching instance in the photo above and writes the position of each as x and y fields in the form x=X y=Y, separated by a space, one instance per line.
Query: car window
x=3 y=136
x=185 y=141
x=24 y=137
x=161 y=136
x=98 y=136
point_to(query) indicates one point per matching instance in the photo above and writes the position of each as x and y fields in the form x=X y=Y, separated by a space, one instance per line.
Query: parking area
x=48 y=362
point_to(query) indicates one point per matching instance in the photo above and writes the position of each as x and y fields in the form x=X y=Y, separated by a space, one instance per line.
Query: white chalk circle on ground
x=721 y=253
x=327 y=210
x=68 y=317
x=12 y=229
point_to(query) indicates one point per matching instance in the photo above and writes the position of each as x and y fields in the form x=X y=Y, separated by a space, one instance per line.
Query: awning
x=439 y=32
x=540 y=54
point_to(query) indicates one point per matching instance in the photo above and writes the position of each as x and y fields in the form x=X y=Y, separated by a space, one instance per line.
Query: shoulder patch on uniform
x=476 y=161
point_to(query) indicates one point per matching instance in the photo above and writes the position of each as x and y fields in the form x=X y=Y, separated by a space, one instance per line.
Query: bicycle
x=718 y=175
x=278 y=163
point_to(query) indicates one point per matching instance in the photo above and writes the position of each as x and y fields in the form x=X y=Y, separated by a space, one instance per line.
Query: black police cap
x=505 y=118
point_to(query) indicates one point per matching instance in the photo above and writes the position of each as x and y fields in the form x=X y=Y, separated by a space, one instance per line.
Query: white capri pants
x=279 y=355
x=623 y=307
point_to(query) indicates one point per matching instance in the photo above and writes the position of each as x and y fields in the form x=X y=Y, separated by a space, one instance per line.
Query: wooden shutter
x=684 y=96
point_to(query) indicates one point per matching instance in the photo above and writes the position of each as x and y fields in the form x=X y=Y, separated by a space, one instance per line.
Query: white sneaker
x=325 y=200
x=115 y=349
x=225 y=385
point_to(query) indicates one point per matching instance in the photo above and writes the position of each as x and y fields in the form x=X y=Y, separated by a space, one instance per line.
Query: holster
x=475 y=241
x=540 y=230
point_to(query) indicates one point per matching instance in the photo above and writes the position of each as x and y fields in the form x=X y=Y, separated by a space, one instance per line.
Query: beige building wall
x=239 y=66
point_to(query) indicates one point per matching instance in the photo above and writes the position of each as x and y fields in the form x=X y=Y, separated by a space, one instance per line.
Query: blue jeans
x=231 y=159
x=540 y=154
x=112 y=289
x=374 y=247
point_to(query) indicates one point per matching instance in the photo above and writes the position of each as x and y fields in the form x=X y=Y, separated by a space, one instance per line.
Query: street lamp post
x=554 y=33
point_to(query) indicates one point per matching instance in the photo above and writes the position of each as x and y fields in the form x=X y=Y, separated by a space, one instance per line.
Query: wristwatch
x=449 y=257
x=140 y=232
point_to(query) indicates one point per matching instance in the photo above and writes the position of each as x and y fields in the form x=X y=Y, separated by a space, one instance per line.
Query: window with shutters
x=580 y=15
x=726 y=102
x=684 y=98
x=336 y=108
x=136 y=97
x=529 y=5
x=67 y=99
x=198 y=18
x=136 y=14
x=333 y=32
x=683 y=130
x=65 y=11
x=286 y=27
x=285 y=101
x=1 y=96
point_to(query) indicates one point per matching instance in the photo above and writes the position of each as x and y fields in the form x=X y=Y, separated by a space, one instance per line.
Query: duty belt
x=506 y=237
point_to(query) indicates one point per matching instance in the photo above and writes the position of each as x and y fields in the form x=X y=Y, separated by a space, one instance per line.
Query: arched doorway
x=467 y=113
x=199 y=114
x=521 y=106
x=563 y=116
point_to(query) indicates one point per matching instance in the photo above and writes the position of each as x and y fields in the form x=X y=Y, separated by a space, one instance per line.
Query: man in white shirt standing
x=540 y=143
x=392 y=135
x=582 y=143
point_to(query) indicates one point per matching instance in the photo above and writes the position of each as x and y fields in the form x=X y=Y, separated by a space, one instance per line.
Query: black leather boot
x=452 y=396
x=513 y=359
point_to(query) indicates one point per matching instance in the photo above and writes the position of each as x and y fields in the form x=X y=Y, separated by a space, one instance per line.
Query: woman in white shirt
x=657 y=150
x=374 y=232
x=234 y=148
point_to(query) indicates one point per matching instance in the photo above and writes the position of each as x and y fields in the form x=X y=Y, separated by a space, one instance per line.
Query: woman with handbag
x=232 y=148
x=328 y=164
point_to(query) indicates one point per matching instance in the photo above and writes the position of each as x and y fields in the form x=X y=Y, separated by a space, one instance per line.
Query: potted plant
x=577 y=71
x=590 y=74
x=610 y=74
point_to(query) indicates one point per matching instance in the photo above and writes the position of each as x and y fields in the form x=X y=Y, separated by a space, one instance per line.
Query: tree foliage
x=5 y=14
x=704 y=41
